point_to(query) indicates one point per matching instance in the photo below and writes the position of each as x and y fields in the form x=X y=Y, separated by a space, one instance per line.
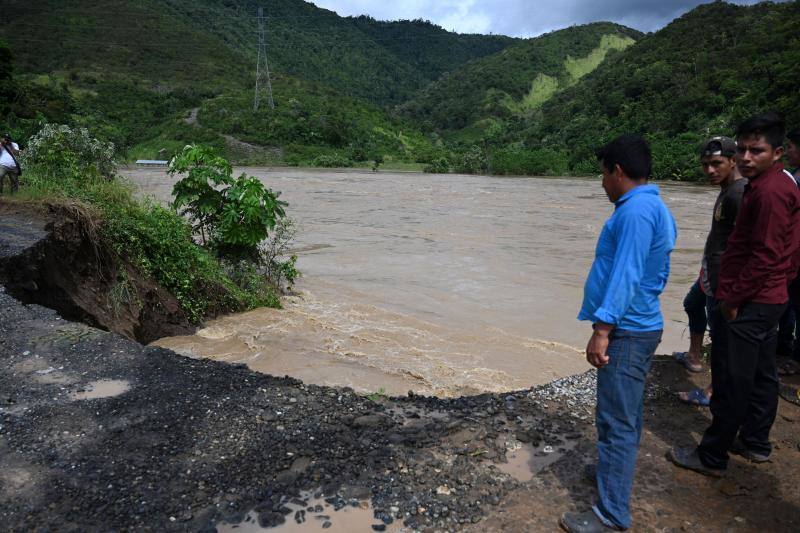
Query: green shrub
x=234 y=216
x=156 y=240
x=473 y=161
x=60 y=151
x=676 y=158
x=438 y=166
x=331 y=161
x=519 y=161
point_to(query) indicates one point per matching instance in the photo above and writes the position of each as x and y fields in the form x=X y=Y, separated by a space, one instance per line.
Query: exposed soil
x=241 y=150
x=98 y=432
x=750 y=497
x=51 y=255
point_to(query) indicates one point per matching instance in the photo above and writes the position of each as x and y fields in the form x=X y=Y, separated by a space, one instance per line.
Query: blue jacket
x=631 y=264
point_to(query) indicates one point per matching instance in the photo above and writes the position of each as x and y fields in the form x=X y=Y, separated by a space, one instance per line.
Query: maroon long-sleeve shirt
x=760 y=258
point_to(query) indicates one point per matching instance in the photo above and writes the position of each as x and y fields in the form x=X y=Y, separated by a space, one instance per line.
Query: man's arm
x=598 y=345
x=771 y=217
x=634 y=235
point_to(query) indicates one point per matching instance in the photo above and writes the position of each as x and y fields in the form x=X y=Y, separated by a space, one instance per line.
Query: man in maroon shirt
x=752 y=294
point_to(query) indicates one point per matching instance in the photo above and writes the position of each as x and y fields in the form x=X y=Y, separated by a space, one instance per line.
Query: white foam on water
x=423 y=282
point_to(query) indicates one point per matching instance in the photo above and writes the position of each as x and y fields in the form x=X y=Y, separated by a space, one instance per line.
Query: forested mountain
x=131 y=70
x=214 y=42
x=519 y=79
x=700 y=75
x=353 y=89
x=429 y=49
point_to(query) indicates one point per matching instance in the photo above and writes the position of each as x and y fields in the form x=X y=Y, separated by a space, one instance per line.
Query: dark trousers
x=794 y=304
x=13 y=177
x=745 y=381
x=695 y=306
x=786 y=331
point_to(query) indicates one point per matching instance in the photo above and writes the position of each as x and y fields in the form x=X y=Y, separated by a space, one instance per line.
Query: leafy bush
x=473 y=161
x=154 y=239
x=280 y=273
x=60 y=151
x=676 y=158
x=438 y=166
x=519 y=161
x=234 y=216
x=331 y=161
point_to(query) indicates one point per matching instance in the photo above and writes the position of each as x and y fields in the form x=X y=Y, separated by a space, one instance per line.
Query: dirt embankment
x=99 y=433
x=51 y=255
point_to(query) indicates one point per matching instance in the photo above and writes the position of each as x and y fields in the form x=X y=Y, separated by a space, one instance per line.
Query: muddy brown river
x=440 y=284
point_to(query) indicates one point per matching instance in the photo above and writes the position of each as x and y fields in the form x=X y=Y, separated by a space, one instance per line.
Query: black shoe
x=738 y=447
x=586 y=522
x=688 y=458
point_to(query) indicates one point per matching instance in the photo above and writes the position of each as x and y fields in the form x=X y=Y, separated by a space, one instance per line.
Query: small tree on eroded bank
x=235 y=217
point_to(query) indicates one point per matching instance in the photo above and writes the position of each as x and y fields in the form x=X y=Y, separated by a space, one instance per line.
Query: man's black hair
x=631 y=153
x=768 y=125
x=794 y=136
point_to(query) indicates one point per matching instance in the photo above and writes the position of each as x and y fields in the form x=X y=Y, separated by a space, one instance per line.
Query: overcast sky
x=519 y=18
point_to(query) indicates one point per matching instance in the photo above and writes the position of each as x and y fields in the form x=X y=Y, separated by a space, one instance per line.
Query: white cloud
x=519 y=18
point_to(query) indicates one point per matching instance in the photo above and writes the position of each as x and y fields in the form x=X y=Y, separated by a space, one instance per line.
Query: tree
x=234 y=216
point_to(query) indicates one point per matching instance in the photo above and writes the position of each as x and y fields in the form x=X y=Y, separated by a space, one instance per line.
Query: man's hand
x=728 y=313
x=598 y=344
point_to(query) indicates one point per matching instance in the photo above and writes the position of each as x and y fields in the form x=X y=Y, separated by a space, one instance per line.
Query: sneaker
x=738 y=448
x=688 y=458
x=585 y=522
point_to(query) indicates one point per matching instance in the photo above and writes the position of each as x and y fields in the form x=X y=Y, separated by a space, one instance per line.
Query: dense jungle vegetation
x=517 y=80
x=700 y=75
x=407 y=94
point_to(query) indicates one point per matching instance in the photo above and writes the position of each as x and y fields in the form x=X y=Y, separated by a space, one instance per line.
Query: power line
x=262 y=73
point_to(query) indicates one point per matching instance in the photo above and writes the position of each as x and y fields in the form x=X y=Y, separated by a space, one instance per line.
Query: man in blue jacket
x=629 y=273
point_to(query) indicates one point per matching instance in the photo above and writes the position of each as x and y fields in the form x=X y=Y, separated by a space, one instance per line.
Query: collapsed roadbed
x=98 y=432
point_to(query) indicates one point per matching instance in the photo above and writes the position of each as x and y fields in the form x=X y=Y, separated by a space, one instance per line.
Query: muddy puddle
x=102 y=388
x=527 y=460
x=315 y=513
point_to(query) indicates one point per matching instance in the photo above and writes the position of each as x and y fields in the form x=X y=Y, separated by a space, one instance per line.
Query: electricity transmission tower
x=262 y=66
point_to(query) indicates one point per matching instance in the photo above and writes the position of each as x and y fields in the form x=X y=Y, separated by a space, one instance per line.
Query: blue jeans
x=620 y=391
x=695 y=306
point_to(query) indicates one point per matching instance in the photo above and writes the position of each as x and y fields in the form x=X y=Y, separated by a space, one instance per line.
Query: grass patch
x=542 y=88
x=157 y=241
x=377 y=396
x=581 y=66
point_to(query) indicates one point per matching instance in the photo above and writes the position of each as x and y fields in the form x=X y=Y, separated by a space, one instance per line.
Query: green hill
x=517 y=80
x=429 y=49
x=170 y=42
x=700 y=75
x=131 y=71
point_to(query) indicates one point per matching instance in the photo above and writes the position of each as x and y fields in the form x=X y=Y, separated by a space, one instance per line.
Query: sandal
x=683 y=358
x=695 y=397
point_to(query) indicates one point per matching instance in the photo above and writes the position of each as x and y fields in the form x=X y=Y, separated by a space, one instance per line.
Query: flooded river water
x=444 y=284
